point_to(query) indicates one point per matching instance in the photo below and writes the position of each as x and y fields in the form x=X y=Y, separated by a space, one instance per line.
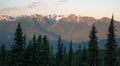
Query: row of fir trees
x=38 y=51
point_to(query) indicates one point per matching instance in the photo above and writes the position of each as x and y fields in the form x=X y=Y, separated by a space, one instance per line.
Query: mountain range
x=71 y=27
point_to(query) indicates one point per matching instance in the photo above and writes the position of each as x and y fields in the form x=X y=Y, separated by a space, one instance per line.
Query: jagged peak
x=57 y=18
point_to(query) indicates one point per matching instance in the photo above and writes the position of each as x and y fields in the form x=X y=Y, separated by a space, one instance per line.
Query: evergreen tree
x=39 y=41
x=84 y=57
x=59 y=53
x=78 y=56
x=111 y=46
x=93 y=48
x=24 y=41
x=35 y=52
x=65 y=57
x=28 y=55
x=52 y=59
x=16 y=57
x=38 y=50
x=118 y=51
x=3 y=55
x=70 y=55
x=45 y=52
x=24 y=47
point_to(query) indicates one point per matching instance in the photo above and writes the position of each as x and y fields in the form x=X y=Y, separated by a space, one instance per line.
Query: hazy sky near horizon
x=94 y=8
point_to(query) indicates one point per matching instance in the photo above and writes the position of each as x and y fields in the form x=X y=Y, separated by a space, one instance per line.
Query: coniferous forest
x=39 y=52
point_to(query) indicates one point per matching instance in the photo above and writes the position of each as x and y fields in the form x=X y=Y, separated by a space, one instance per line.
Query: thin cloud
x=32 y=4
x=62 y=0
x=9 y=9
x=29 y=5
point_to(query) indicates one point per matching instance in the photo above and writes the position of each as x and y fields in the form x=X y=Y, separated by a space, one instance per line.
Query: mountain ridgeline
x=69 y=27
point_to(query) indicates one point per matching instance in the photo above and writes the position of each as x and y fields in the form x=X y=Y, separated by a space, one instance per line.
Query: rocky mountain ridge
x=69 y=27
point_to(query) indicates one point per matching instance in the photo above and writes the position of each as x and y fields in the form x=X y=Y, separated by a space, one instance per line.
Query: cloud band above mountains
x=62 y=0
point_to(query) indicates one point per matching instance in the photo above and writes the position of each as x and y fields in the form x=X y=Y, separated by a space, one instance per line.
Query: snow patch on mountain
x=7 y=18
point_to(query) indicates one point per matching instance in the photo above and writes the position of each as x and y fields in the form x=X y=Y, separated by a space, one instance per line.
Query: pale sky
x=93 y=8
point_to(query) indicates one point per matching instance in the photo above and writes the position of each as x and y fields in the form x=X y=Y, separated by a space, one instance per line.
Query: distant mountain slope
x=69 y=27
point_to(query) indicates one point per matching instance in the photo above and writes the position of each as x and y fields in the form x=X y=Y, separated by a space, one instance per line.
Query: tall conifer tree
x=70 y=55
x=24 y=41
x=93 y=48
x=65 y=57
x=45 y=51
x=28 y=55
x=78 y=56
x=84 y=57
x=59 y=53
x=34 y=51
x=3 y=55
x=52 y=58
x=16 y=57
x=111 y=46
x=38 y=50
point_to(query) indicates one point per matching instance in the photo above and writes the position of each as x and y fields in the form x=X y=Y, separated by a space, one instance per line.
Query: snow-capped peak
x=8 y=18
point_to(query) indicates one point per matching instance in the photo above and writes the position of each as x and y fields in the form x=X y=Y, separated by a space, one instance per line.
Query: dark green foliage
x=84 y=57
x=78 y=56
x=70 y=55
x=34 y=51
x=52 y=58
x=16 y=57
x=38 y=50
x=111 y=46
x=118 y=56
x=101 y=56
x=93 y=48
x=3 y=55
x=45 y=52
x=39 y=41
x=65 y=57
x=24 y=41
x=28 y=55
x=59 y=53
x=81 y=57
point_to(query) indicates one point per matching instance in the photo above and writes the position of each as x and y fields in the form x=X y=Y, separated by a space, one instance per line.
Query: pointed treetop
x=39 y=38
x=79 y=47
x=59 y=36
x=19 y=29
x=112 y=16
x=93 y=26
x=111 y=23
x=45 y=37
x=93 y=30
x=19 y=26
x=34 y=38
x=70 y=41
x=71 y=44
